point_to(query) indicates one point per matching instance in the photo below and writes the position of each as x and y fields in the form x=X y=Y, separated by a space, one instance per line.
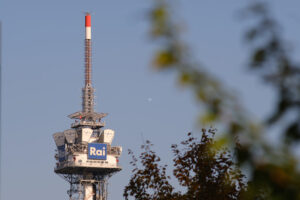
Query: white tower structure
x=85 y=157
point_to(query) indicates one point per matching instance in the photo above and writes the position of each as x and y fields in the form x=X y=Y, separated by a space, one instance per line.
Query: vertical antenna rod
x=88 y=90
x=88 y=50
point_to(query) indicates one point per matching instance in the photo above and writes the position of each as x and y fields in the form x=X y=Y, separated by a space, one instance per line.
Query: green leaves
x=159 y=15
x=164 y=59
x=208 y=119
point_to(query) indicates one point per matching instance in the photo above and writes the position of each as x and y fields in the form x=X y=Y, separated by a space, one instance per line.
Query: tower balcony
x=93 y=166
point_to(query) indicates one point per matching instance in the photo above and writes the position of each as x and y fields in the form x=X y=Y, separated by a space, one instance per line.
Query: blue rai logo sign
x=97 y=151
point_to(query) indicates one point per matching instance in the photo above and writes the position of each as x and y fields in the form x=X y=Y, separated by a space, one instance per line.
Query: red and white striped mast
x=88 y=90
x=88 y=50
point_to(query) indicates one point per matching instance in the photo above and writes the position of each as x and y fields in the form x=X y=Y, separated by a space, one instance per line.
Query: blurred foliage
x=203 y=171
x=272 y=170
x=270 y=56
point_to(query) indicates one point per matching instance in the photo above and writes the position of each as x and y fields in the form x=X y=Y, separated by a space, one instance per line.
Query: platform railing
x=90 y=163
x=85 y=123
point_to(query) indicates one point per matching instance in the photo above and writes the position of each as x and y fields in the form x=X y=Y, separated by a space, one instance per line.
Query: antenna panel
x=107 y=136
x=86 y=134
x=70 y=135
x=94 y=137
x=59 y=138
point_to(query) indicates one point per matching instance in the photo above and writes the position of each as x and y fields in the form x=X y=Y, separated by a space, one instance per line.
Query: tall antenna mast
x=88 y=90
x=88 y=116
x=88 y=50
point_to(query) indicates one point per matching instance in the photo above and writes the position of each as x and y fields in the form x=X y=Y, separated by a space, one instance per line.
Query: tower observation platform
x=85 y=156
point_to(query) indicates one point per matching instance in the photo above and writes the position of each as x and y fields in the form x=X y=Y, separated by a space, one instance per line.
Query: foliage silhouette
x=204 y=169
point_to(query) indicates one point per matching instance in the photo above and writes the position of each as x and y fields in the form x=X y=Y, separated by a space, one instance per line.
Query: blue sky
x=42 y=77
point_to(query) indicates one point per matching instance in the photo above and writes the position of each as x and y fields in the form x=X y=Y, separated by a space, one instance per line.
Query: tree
x=273 y=170
x=202 y=167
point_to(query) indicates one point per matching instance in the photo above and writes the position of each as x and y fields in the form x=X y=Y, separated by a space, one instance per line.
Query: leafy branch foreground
x=272 y=170
x=202 y=168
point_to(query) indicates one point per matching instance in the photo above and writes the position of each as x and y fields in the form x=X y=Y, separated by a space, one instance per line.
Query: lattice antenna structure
x=84 y=155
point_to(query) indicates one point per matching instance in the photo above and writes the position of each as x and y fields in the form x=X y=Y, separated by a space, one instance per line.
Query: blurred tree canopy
x=272 y=171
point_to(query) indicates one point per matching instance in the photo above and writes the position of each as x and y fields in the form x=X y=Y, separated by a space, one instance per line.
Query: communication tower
x=84 y=155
